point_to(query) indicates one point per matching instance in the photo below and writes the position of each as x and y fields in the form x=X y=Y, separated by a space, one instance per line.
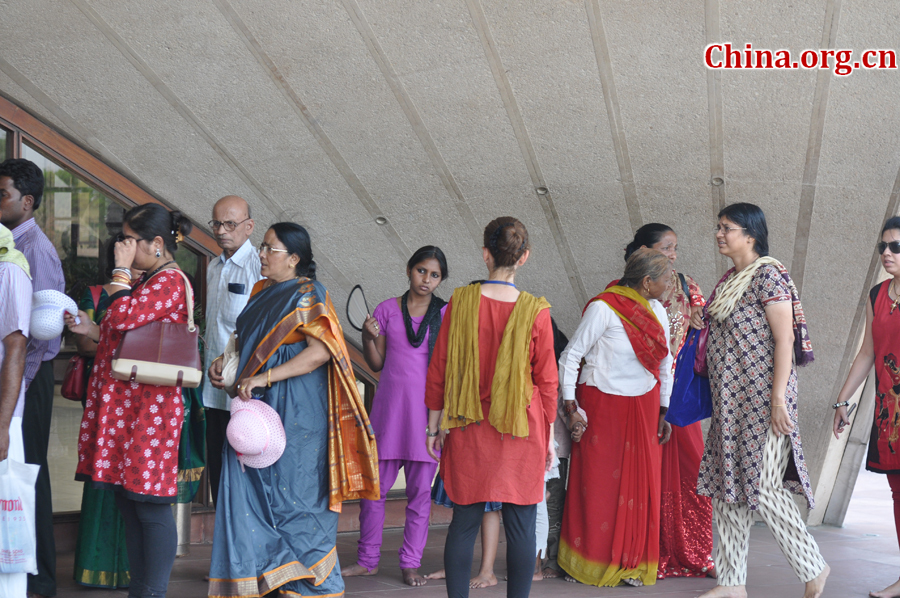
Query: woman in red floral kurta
x=129 y=431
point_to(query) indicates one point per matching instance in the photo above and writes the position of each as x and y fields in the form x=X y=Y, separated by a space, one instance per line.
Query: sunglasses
x=894 y=246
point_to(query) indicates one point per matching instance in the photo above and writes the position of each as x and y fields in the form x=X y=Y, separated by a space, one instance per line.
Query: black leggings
x=151 y=540
x=518 y=523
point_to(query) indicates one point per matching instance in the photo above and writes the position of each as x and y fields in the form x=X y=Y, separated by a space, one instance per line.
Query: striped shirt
x=228 y=285
x=15 y=297
x=46 y=273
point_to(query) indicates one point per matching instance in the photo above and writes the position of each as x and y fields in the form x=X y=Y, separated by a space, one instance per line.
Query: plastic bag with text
x=17 y=539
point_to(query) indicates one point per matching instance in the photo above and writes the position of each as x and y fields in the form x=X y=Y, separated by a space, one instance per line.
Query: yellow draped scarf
x=9 y=253
x=511 y=388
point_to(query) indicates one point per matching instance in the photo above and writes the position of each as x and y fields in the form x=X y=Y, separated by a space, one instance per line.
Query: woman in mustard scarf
x=610 y=531
x=493 y=377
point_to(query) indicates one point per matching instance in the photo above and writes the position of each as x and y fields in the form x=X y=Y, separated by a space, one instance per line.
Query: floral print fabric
x=129 y=431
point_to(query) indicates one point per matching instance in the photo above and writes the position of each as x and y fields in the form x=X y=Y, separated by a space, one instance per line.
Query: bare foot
x=437 y=575
x=815 y=586
x=411 y=577
x=550 y=572
x=726 y=592
x=634 y=582
x=571 y=579
x=892 y=591
x=483 y=580
x=356 y=570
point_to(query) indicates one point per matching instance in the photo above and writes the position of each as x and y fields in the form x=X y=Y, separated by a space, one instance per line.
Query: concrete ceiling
x=442 y=114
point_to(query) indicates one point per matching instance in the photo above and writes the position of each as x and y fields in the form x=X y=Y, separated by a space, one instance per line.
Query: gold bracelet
x=269 y=378
x=779 y=405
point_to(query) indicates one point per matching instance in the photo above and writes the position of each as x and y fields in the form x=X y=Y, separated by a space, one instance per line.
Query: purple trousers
x=419 y=475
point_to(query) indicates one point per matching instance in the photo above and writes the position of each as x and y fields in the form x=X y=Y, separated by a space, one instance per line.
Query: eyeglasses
x=228 y=224
x=893 y=245
x=727 y=229
x=269 y=250
x=122 y=236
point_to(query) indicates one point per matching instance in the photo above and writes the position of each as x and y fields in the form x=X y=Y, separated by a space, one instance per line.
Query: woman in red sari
x=685 y=520
x=610 y=531
x=881 y=348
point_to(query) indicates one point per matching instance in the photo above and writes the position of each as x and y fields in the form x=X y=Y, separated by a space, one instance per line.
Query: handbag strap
x=189 y=292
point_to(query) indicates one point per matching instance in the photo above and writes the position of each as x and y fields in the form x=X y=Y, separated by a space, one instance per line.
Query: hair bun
x=311 y=270
x=180 y=224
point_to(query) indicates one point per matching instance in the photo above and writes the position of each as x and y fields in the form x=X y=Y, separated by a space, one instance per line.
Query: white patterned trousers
x=778 y=510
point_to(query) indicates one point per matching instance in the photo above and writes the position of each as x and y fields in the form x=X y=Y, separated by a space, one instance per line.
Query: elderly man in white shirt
x=229 y=280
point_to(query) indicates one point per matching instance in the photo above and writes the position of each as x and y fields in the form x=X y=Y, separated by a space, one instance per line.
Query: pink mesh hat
x=256 y=433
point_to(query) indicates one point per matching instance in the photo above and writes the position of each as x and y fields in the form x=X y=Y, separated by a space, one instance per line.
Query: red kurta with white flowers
x=129 y=431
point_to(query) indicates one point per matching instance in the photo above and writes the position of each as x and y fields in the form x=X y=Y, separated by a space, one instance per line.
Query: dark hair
x=751 y=218
x=110 y=258
x=507 y=240
x=426 y=253
x=296 y=240
x=644 y=262
x=647 y=236
x=891 y=224
x=26 y=177
x=152 y=220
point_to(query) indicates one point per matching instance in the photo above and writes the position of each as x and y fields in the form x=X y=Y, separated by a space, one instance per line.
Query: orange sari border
x=257 y=587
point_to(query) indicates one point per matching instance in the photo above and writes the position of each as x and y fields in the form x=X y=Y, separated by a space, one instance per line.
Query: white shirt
x=228 y=285
x=15 y=314
x=610 y=363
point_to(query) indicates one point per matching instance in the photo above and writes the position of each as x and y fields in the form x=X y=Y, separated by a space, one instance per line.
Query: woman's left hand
x=697 y=317
x=84 y=323
x=246 y=385
x=664 y=430
x=781 y=420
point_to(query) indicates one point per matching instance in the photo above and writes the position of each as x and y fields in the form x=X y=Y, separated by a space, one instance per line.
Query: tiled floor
x=863 y=556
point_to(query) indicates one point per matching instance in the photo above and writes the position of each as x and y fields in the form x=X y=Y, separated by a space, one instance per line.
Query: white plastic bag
x=17 y=536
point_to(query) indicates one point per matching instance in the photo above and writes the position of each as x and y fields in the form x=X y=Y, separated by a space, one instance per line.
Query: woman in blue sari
x=276 y=527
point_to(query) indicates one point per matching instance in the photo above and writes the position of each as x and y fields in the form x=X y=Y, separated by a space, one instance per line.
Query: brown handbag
x=162 y=353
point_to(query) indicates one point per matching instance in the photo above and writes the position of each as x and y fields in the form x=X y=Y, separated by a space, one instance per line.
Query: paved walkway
x=863 y=556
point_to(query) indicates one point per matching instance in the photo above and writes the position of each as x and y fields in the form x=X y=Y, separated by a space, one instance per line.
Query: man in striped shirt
x=21 y=191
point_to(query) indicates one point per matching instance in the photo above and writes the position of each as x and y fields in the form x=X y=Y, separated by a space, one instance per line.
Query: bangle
x=778 y=405
x=120 y=284
x=124 y=271
x=844 y=404
x=570 y=407
x=269 y=378
x=429 y=434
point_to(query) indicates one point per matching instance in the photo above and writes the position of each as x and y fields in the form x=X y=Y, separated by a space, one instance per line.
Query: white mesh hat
x=47 y=309
x=256 y=433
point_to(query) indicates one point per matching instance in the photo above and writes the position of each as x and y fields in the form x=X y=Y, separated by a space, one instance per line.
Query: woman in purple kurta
x=398 y=340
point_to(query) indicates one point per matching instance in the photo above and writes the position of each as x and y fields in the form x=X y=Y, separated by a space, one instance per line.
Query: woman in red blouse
x=129 y=431
x=492 y=384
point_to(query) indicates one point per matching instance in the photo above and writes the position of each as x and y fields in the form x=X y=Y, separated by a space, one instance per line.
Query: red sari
x=610 y=529
x=685 y=526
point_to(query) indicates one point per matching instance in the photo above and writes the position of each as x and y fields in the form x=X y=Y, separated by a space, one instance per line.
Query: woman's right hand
x=371 y=329
x=84 y=325
x=841 y=419
x=124 y=253
x=433 y=444
x=577 y=425
x=215 y=373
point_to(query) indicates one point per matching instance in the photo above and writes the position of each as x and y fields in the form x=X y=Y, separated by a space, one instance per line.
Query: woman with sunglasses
x=130 y=431
x=756 y=331
x=881 y=348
